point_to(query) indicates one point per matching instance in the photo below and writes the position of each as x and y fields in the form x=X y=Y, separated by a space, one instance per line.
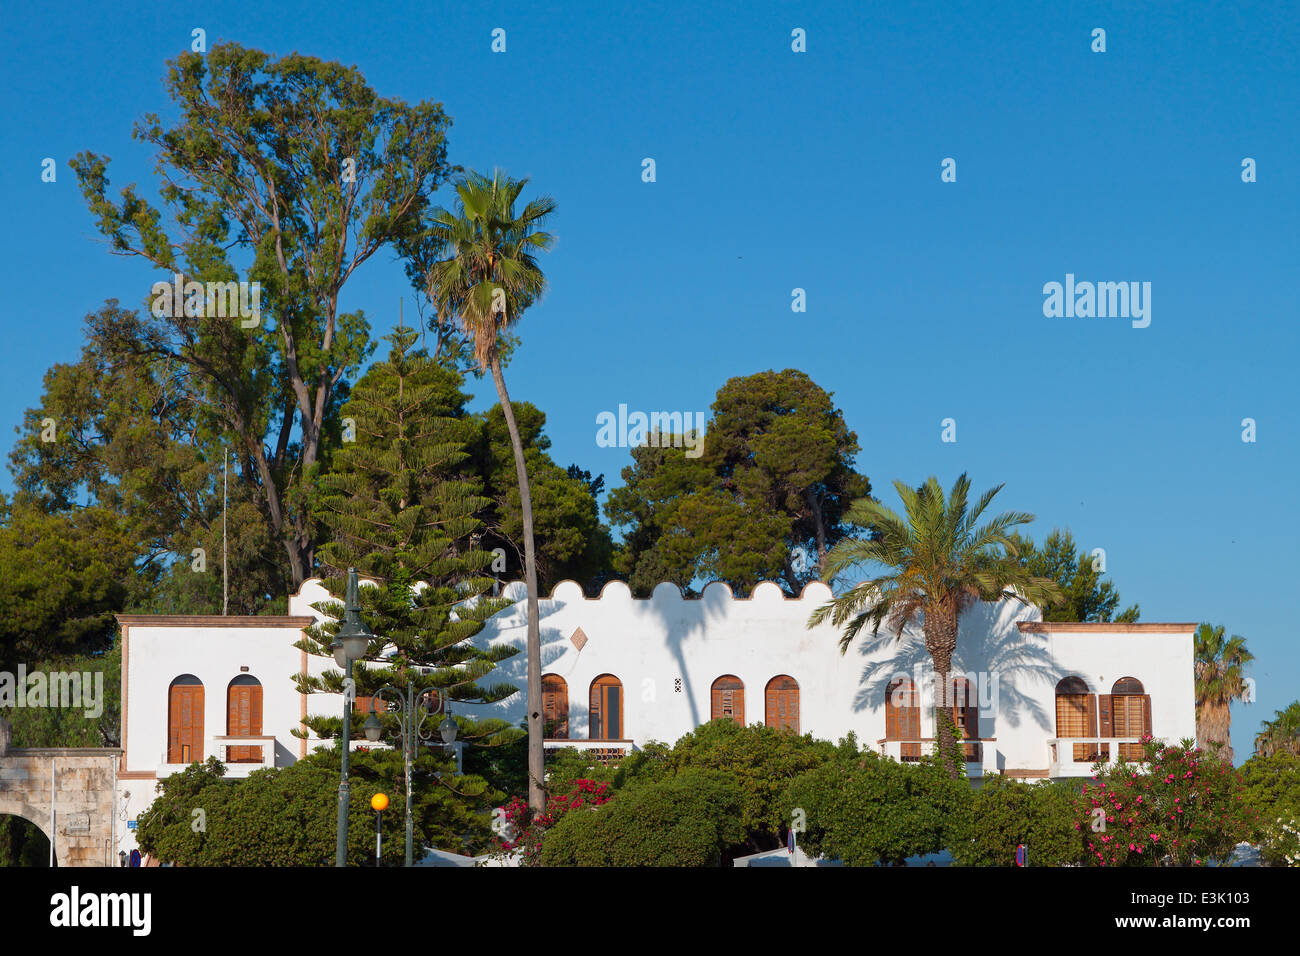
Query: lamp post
x=412 y=710
x=349 y=644
x=379 y=803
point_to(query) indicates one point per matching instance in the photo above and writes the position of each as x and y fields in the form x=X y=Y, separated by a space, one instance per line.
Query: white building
x=1039 y=700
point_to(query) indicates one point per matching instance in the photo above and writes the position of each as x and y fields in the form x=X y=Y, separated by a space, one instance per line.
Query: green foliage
x=288 y=816
x=522 y=834
x=1281 y=734
x=64 y=577
x=399 y=509
x=254 y=186
x=762 y=760
x=277 y=817
x=22 y=843
x=871 y=810
x=1271 y=788
x=1004 y=813
x=571 y=541
x=1180 y=807
x=1220 y=680
x=774 y=479
x=937 y=560
x=1086 y=596
x=70 y=726
x=565 y=766
x=689 y=819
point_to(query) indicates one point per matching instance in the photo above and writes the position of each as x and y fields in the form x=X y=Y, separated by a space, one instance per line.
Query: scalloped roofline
x=681 y=594
x=803 y=594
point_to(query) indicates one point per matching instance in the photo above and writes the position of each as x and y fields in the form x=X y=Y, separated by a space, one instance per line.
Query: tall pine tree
x=399 y=507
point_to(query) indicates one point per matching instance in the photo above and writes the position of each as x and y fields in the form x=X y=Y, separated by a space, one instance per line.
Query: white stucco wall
x=667 y=651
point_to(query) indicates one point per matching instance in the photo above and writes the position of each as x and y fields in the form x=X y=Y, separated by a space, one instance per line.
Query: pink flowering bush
x=524 y=834
x=1180 y=807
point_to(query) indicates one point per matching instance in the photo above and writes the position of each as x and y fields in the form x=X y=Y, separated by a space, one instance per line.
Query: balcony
x=1075 y=756
x=608 y=752
x=241 y=755
x=979 y=758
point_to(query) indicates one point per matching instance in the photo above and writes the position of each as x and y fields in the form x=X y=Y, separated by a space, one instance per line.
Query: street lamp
x=349 y=644
x=411 y=711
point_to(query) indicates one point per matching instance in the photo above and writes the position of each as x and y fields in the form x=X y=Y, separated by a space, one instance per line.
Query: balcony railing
x=1075 y=756
x=605 y=751
x=241 y=755
x=979 y=758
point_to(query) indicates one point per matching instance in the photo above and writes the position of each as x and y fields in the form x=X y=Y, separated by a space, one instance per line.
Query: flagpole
x=225 y=579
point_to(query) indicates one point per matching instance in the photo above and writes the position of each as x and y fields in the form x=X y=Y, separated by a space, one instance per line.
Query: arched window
x=1076 y=716
x=903 y=717
x=1128 y=715
x=728 y=699
x=781 y=703
x=966 y=716
x=185 y=720
x=606 y=709
x=555 y=707
x=244 y=717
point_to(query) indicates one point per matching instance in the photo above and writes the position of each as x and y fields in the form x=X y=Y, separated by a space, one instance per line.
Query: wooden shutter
x=185 y=723
x=1146 y=713
x=965 y=714
x=555 y=707
x=782 y=703
x=902 y=712
x=244 y=719
x=1104 y=716
x=727 y=699
x=1090 y=715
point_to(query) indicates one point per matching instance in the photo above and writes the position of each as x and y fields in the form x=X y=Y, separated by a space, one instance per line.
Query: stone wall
x=84 y=782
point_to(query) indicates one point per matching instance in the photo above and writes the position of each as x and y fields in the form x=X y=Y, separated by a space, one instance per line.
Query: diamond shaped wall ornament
x=579 y=639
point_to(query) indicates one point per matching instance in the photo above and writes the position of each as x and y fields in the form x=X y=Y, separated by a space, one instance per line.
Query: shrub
x=871 y=809
x=1005 y=812
x=1271 y=788
x=1181 y=807
x=525 y=830
x=762 y=761
x=686 y=820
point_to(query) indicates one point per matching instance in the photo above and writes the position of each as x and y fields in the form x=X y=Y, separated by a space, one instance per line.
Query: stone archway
x=82 y=782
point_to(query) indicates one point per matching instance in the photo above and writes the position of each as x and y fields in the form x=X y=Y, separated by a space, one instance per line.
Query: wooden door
x=185 y=721
x=555 y=707
x=244 y=718
x=606 y=711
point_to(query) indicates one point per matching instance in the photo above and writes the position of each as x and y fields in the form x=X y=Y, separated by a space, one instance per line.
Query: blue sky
x=821 y=171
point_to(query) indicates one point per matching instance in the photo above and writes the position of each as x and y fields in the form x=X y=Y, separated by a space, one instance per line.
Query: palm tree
x=1282 y=734
x=938 y=563
x=483 y=275
x=1219 y=681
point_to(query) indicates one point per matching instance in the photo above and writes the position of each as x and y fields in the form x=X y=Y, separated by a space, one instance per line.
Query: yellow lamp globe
x=379 y=802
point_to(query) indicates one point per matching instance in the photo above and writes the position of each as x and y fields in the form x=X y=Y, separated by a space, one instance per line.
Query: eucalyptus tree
x=937 y=562
x=287 y=174
x=483 y=274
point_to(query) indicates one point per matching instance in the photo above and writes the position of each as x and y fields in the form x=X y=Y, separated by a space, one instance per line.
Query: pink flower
x=1155 y=837
x=1132 y=847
